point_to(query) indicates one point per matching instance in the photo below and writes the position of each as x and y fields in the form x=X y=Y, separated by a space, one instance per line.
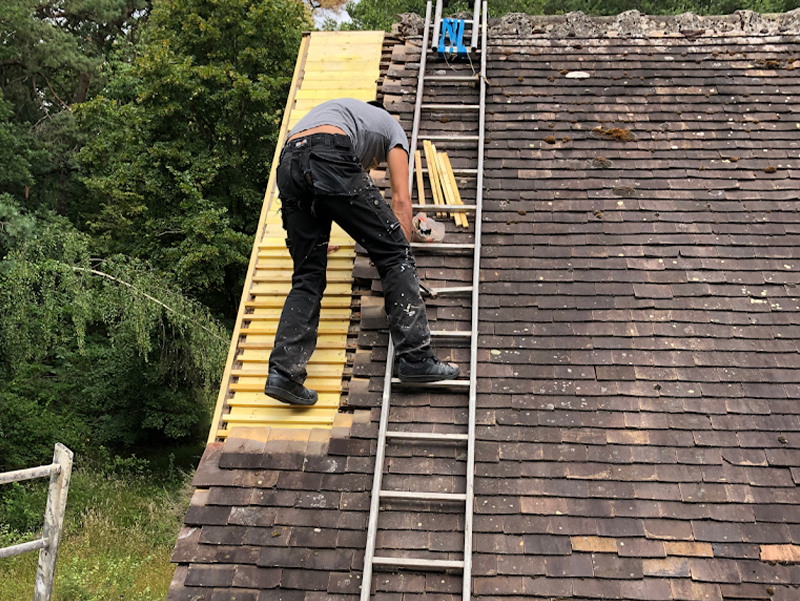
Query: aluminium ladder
x=379 y=494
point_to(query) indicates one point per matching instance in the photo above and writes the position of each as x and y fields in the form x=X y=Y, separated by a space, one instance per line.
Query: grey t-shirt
x=372 y=130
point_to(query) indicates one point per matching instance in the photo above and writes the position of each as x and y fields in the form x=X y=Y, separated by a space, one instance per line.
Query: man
x=322 y=178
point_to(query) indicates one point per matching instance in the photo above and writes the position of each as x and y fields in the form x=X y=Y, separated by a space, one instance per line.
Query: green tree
x=52 y=51
x=17 y=157
x=95 y=352
x=183 y=140
x=52 y=56
x=380 y=14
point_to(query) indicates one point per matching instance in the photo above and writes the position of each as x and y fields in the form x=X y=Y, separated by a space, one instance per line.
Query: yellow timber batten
x=329 y=65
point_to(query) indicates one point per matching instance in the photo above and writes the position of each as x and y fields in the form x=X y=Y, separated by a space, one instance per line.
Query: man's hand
x=397 y=161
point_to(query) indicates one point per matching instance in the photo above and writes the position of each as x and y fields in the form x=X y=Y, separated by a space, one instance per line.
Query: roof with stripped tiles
x=639 y=393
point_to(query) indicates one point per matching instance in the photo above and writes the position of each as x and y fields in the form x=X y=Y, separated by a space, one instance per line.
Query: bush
x=97 y=352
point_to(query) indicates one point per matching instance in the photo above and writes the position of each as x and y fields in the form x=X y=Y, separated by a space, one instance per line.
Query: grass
x=119 y=532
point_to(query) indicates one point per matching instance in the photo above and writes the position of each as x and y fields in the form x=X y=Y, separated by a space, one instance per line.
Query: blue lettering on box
x=454 y=29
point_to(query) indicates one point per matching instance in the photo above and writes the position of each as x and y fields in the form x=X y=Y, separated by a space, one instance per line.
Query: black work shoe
x=288 y=391
x=427 y=370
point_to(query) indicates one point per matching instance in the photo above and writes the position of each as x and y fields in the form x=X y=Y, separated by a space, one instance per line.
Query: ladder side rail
x=418 y=103
x=437 y=25
x=473 y=361
x=475 y=20
x=377 y=479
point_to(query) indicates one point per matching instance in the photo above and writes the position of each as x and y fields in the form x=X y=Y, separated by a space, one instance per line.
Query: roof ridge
x=631 y=23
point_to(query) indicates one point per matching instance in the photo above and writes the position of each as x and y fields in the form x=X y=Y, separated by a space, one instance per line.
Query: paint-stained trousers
x=321 y=181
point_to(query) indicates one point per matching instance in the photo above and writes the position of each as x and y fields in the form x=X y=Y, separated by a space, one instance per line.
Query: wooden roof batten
x=329 y=65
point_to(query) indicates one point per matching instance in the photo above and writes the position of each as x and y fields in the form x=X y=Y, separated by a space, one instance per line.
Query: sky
x=339 y=15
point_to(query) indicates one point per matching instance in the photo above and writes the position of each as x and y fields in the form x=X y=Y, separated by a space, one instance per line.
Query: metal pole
x=377 y=479
x=476 y=16
x=473 y=360
x=53 y=521
x=418 y=104
x=437 y=25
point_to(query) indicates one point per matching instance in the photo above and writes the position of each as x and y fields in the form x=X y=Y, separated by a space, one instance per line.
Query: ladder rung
x=447 y=334
x=441 y=246
x=423 y=564
x=439 y=384
x=467 y=21
x=428 y=436
x=422 y=496
x=453 y=290
x=470 y=50
x=445 y=208
x=451 y=138
x=457 y=171
x=466 y=107
x=451 y=77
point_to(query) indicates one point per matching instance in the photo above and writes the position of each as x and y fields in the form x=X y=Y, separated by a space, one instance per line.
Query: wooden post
x=53 y=521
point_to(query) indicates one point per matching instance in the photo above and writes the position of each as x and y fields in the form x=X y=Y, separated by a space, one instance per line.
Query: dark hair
x=378 y=104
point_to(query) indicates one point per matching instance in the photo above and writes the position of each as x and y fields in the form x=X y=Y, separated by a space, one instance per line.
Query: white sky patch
x=339 y=15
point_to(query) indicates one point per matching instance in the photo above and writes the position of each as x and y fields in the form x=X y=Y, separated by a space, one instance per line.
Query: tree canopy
x=136 y=139
x=95 y=351
x=135 y=147
x=183 y=139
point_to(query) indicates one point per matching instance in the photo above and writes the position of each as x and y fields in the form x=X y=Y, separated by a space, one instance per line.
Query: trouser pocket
x=335 y=171
x=372 y=197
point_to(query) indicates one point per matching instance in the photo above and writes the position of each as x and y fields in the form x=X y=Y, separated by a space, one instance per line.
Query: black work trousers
x=321 y=181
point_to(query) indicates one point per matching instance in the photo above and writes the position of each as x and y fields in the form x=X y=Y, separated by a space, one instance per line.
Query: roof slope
x=639 y=430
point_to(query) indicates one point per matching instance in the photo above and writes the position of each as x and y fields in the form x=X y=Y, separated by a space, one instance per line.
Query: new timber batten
x=329 y=65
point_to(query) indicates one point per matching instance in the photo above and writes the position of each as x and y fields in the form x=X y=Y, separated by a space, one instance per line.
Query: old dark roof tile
x=637 y=432
x=210 y=576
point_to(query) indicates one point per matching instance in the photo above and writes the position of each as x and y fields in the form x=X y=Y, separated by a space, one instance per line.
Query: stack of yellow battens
x=329 y=65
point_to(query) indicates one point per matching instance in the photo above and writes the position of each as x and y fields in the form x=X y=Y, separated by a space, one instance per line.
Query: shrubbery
x=135 y=147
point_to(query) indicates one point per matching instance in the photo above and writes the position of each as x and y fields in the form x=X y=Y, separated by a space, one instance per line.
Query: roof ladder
x=395 y=434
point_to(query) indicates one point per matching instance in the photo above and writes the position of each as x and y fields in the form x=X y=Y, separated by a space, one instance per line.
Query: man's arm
x=397 y=161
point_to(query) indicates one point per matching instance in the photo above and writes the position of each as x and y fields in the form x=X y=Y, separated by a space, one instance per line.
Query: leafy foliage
x=135 y=145
x=52 y=56
x=53 y=51
x=16 y=154
x=380 y=14
x=96 y=351
x=184 y=138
